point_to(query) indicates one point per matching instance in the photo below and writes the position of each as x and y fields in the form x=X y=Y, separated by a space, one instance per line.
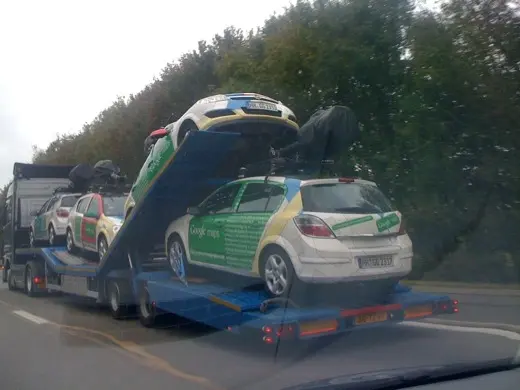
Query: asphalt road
x=61 y=343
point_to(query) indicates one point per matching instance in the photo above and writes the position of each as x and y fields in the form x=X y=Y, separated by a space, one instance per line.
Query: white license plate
x=262 y=106
x=376 y=261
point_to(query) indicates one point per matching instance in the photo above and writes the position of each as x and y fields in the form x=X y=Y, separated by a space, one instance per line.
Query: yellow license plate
x=418 y=311
x=317 y=327
x=371 y=318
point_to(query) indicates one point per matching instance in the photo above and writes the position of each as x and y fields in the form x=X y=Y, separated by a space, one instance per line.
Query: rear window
x=113 y=206
x=69 y=201
x=348 y=198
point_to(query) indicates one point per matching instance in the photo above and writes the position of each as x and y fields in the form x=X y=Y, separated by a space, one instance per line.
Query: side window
x=8 y=210
x=276 y=197
x=93 y=207
x=222 y=200
x=82 y=205
x=44 y=207
x=51 y=204
x=254 y=198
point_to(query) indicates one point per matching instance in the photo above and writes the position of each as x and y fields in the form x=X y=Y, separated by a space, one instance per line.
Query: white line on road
x=455 y=328
x=30 y=317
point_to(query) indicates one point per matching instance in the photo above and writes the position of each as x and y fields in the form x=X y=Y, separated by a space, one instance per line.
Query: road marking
x=135 y=350
x=30 y=317
x=467 y=329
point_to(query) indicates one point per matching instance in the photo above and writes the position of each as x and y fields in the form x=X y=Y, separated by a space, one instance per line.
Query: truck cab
x=31 y=187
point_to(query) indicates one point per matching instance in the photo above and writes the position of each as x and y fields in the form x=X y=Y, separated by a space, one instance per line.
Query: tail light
x=312 y=226
x=402 y=228
x=62 y=213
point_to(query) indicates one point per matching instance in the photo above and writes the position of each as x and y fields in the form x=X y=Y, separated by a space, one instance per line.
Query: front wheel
x=278 y=272
x=177 y=258
x=102 y=247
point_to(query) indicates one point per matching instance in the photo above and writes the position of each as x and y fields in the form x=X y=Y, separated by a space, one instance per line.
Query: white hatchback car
x=286 y=230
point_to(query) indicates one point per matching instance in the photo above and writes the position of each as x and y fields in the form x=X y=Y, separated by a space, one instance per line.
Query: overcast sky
x=62 y=62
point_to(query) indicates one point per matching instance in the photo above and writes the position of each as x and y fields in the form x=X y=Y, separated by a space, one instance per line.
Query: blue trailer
x=129 y=277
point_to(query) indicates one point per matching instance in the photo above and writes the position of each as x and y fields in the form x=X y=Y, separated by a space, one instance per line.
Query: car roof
x=282 y=179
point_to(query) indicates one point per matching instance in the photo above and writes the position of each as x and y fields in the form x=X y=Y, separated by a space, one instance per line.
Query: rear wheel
x=52 y=236
x=70 y=243
x=186 y=127
x=29 y=285
x=4 y=272
x=277 y=271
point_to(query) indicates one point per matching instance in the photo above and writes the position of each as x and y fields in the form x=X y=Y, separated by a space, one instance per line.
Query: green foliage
x=437 y=94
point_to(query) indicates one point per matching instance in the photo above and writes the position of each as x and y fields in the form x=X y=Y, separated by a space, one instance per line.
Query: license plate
x=371 y=318
x=316 y=327
x=262 y=106
x=418 y=311
x=376 y=261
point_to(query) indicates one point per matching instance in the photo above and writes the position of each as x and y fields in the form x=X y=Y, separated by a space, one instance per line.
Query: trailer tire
x=118 y=310
x=147 y=310
x=4 y=272
x=31 y=269
x=11 y=284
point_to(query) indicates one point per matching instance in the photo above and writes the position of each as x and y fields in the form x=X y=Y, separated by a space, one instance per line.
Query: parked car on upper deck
x=236 y=112
x=94 y=221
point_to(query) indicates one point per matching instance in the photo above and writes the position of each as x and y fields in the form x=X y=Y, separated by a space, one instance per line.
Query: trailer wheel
x=147 y=310
x=117 y=310
x=4 y=272
x=11 y=284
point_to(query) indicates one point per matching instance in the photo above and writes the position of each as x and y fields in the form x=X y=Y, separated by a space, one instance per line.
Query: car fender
x=181 y=227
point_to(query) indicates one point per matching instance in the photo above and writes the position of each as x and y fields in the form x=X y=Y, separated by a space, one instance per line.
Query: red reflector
x=37 y=280
x=455 y=302
x=455 y=310
x=267 y=329
x=268 y=339
x=346 y=180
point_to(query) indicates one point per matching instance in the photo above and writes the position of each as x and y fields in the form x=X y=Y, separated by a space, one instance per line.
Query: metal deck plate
x=69 y=259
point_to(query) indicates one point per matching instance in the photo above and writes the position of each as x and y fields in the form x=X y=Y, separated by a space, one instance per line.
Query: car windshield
x=69 y=201
x=113 y=206
x=348 y=198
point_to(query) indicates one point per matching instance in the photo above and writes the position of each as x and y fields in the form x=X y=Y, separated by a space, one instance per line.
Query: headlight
x=116 y=228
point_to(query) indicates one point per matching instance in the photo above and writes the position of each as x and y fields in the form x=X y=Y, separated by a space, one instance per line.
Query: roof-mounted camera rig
x=103 y=177
x=322 y=141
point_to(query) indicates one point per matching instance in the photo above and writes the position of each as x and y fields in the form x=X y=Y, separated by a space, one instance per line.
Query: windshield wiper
x=409 y=377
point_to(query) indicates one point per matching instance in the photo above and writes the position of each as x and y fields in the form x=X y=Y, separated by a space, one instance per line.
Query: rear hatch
x=356 y=211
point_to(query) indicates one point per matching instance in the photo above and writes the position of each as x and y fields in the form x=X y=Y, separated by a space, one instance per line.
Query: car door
x=89 y=223
x=78 y=218
x=244 y=229
x=39 y=221
x=206 y=232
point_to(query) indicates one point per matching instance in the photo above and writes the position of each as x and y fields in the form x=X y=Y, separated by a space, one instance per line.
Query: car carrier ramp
x=63 y=262
x=190 y=174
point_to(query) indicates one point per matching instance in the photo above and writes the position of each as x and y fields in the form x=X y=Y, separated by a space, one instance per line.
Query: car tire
x=52 y=236
x=186 y=127
x=28 y=281
x=4 y=272
x=117 y=310
x=102 y=247
x=11 y=284
x=276 y=267
x=32 y=240
x=147 y=310
x=71 y=248
x=177 y=258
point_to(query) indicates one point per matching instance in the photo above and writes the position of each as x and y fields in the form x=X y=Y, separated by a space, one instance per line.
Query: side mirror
x=33 y=213
x=195 y=211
